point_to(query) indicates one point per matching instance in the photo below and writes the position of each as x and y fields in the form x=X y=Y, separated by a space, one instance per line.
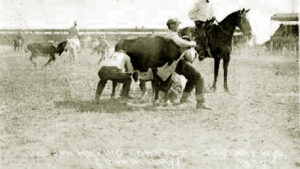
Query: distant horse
x=101 y=47
x=45 y=50
x=220 y=40
x=17 y=43
x=73 y=46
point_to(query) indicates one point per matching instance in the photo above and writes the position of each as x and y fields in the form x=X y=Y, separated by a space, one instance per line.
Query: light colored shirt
x=178 y=40
x=104 y=43
x=201 y=11
x=73 y=32
x=120 y=60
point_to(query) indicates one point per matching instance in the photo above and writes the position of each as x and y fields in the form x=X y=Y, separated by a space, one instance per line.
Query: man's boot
x=201 y=102
x=185 y=96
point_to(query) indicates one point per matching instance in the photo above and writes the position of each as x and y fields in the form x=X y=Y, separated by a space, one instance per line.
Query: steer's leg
x=153 y=88
x=33 y=55
x=156 y=92
x=155 y=85
x=143 y=88
x=52 y=58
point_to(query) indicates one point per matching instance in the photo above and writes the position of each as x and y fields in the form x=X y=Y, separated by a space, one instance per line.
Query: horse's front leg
x=216 y=73
x=156 y=89
x=31 y=59
x=225 y=67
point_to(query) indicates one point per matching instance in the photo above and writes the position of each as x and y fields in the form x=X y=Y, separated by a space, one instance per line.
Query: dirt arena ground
x=49 y=119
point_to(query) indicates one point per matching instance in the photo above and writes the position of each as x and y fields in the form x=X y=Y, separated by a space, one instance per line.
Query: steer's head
x=61 y=47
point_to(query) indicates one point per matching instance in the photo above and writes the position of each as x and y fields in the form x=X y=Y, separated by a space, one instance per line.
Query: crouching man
x=118 y=69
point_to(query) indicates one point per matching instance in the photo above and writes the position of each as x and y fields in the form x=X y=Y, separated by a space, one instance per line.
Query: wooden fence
x=45 y=35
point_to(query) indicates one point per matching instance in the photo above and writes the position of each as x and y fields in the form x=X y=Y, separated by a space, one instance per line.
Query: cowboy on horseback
x=203 y=16
x=73 y=43
x=74 y=35
x=73 y=32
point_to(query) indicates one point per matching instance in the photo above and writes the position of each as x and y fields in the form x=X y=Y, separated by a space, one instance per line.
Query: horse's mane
x=231 y=16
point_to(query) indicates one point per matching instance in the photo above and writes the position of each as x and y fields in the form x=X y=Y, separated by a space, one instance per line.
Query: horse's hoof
x=96 y=101
x=226 y=90
x=209 y=90
x=213 y=88
x=155 y=103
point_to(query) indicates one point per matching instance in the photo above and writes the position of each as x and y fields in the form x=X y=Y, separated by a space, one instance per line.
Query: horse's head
x=61 y=47
x=243 y=23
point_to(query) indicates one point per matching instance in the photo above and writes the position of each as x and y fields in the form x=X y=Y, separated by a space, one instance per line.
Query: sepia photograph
x=149 y=84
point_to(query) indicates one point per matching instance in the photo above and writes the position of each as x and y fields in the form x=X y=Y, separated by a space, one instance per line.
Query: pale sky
x=132 y=13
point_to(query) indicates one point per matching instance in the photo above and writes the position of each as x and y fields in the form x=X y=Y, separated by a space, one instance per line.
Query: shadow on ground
x=104 y=106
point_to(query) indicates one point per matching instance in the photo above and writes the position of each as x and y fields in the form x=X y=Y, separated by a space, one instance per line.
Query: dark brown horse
x=220 y=40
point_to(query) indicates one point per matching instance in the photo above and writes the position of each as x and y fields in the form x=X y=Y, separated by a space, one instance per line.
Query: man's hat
x=173 y=20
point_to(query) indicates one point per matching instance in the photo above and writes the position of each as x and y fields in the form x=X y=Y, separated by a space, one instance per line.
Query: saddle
x=203 y=29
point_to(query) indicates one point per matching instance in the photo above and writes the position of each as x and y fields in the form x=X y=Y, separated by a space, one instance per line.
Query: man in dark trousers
x=185 y=65
x=118 y=69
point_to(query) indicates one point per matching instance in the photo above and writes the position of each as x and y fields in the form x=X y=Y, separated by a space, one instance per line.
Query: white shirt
x=119 y=59
x=103 y=43
x=178 y=40
x=201 y=11
x=73 y=32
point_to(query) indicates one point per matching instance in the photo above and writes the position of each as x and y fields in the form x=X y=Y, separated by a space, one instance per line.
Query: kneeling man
x=118 y=69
